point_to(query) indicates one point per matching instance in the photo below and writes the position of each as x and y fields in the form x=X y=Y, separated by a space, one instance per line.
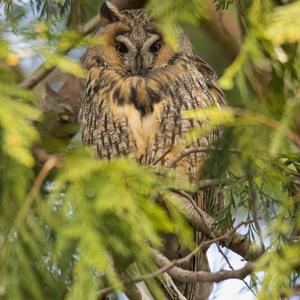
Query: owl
x=137 y=87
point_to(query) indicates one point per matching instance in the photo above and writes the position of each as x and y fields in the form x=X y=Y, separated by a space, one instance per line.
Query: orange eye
x=121 y=48
x=155 y=47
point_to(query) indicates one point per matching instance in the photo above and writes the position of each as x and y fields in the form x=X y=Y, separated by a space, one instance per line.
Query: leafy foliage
x=169 y=14
x=223 y=4
x=262 y=130
x=281 y=30
x=69 y=230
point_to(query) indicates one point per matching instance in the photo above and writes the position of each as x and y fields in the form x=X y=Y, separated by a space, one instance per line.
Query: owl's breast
x=142 y=116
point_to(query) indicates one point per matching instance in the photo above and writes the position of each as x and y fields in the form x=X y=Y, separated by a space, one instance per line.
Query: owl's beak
x=139 y=67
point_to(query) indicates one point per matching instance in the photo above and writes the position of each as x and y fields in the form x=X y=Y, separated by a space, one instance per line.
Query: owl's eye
x=121 y=47
x=155 y=47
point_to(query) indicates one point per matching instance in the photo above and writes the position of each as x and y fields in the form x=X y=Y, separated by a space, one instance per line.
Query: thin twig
x=220 y=33
x=50 y=164
x=213 y=182
x=161 y=157
x=42 y=156
x=104 y=292
x=295 y=289
x=253 y=204
x=188 y=151
x=42 y=71
x=243 y=28
x=193 y=203
x=263 y=120
x=232 y=268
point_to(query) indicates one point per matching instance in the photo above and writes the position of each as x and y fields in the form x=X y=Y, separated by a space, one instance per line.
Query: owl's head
x=131 y=44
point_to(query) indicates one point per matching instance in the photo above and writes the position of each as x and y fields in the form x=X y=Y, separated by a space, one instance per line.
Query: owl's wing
x=201 y=291
x=211 y=80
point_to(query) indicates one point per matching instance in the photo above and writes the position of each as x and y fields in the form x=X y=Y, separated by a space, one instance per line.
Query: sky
x=232 y=288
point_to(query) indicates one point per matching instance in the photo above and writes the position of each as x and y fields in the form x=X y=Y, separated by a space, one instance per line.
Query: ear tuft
x=109 y=13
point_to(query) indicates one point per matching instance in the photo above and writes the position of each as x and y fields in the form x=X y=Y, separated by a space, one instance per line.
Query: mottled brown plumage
x=60 y=109
x=136 y=90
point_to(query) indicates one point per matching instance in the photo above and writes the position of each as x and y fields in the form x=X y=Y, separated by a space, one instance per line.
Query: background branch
x=42 y=71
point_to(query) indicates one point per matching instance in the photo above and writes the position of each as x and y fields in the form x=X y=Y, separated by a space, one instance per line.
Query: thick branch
x=171 y=288
x=204 y=223
x=166 y=267
x=184 y=260
x=201 y=276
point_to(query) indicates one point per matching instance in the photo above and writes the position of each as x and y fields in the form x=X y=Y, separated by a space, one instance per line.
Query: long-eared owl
x=136 y=90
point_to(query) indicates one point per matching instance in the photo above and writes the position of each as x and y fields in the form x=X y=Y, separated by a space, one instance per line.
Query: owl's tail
x=173 y=250
x=201 y=290
x=190 y=291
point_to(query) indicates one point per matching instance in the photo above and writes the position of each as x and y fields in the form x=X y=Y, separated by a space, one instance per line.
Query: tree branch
x=42 y=71
x=42 y=156
x=171 y=288
x=160 y=259
x=219 y=248
x=204 y=223
x=232 y=268
x=264 y=120
x=201 y=276
x=188 y=151
x=50 y=163
x=203 y=245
